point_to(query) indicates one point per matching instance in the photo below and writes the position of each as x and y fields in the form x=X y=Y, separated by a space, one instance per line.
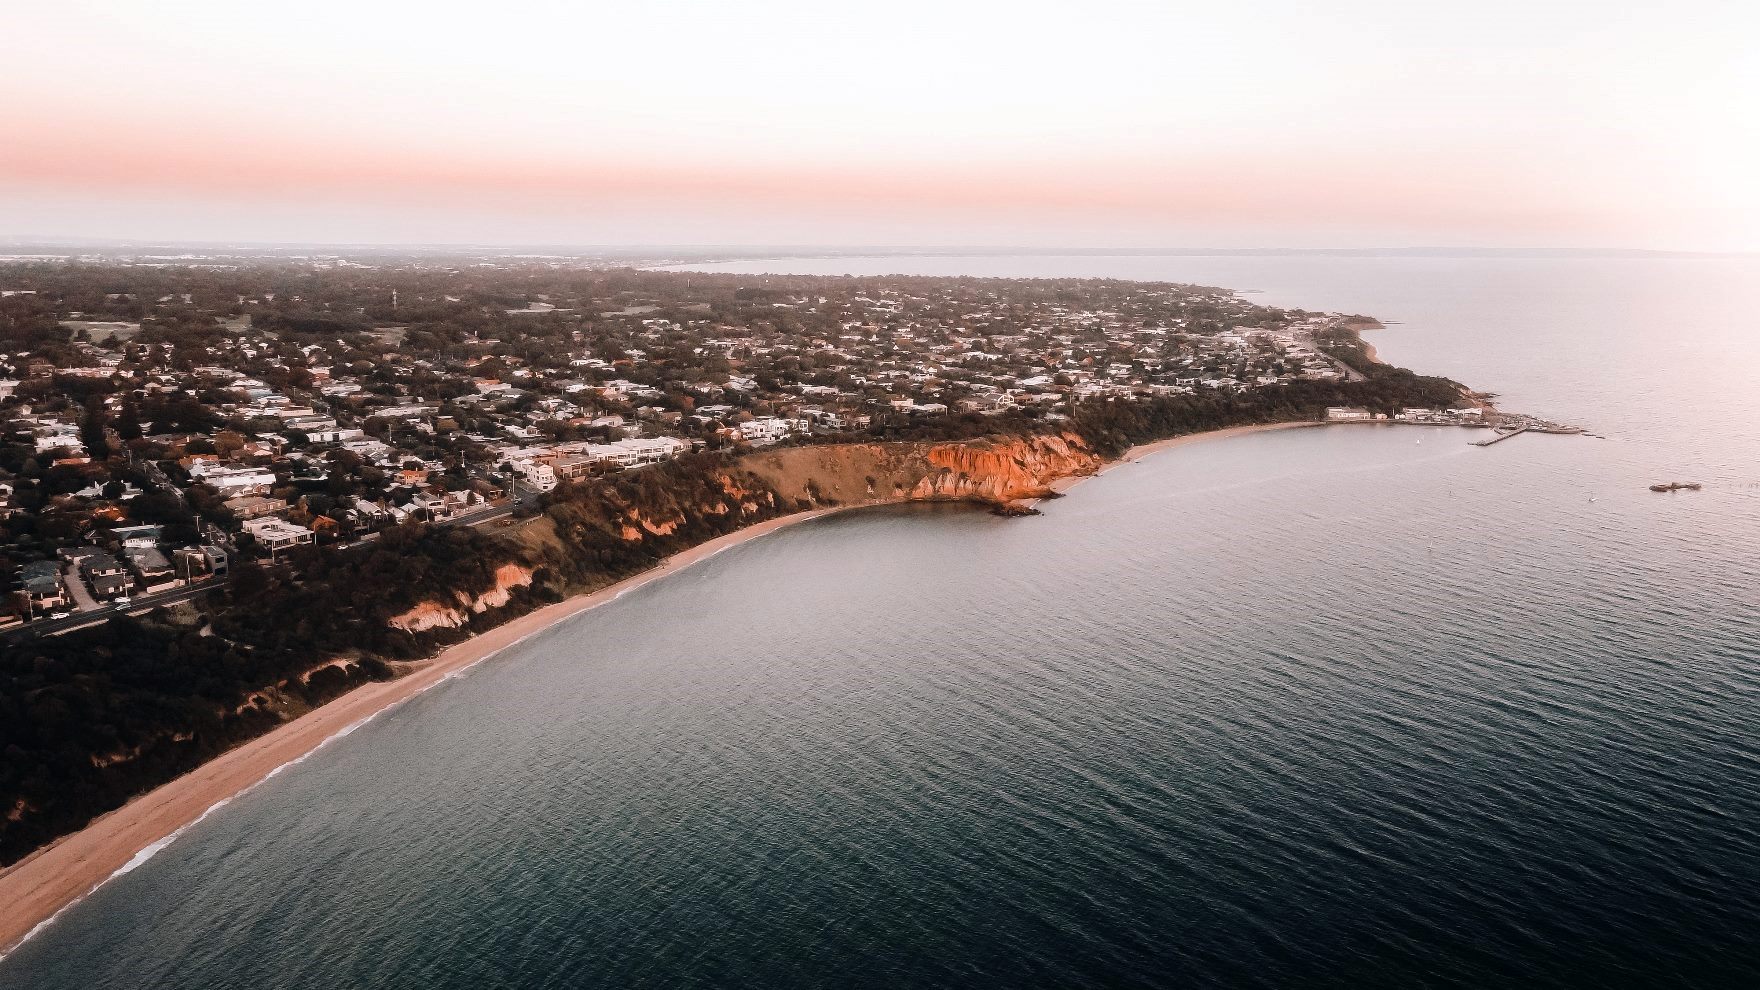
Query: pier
x=1499 y=438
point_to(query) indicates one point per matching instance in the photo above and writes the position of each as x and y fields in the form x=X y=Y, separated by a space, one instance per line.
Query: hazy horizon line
x=802 y=249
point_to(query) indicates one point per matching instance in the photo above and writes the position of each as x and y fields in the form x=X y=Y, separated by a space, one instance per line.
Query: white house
x=636 y=451
x=537 y=474
x=276 y=535
x=233 y=482
x=768 y=429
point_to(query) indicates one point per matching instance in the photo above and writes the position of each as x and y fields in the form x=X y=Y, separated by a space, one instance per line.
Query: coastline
x=40 y=887
x=1143 y=450
x=35 y=890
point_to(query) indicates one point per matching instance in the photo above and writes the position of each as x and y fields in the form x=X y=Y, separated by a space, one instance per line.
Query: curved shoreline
x=39 y=888
x=1143 y=450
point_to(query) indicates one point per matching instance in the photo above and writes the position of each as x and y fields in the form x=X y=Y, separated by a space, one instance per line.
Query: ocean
x=1359 y=706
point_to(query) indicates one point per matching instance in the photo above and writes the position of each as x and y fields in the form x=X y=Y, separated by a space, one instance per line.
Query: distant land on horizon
x=43 y=244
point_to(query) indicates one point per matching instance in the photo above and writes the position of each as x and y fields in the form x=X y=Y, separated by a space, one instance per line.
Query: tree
x=227 y=443
x=128 y=423
x=94 y=428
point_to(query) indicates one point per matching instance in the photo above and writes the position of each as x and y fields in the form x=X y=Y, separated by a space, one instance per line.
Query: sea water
x=1316 y=707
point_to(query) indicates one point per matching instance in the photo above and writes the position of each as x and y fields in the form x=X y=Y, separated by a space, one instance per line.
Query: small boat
x=1677 y=486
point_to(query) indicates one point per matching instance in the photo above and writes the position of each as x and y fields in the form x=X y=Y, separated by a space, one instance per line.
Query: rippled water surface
x=1355 y=706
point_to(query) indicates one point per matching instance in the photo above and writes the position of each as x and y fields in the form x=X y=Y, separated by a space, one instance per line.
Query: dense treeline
x=339 y=604
x=600 y=538
x=1111 y=428
x=89 y=720
x=93 y=717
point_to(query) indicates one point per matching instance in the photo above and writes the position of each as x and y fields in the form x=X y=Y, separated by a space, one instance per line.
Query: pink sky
x=1116 y=123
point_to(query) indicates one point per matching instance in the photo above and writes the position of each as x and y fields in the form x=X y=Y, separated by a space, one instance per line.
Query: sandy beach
x=36 y=889
x=1141 y=451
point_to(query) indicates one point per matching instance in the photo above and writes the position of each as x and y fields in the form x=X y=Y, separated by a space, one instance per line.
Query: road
x=475 y=517
x=1308 y=340
x=487 y=513
x=91 y=613
x=102 y=613
x=157 y=477
x=75 y=585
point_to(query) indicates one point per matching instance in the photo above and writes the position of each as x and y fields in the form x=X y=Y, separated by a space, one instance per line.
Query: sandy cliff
x=992 y=471
x=431 y=614
x=666 y=514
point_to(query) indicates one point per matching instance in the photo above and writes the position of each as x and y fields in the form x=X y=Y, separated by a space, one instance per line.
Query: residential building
x=41 y=580
x=275 y=535
x=254 y=506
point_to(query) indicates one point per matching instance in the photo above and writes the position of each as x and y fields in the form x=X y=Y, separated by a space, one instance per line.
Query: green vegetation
x=89 y=720
x=1111 y=428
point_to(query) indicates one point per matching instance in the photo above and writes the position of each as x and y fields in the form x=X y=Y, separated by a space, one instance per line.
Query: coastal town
x=164 y=419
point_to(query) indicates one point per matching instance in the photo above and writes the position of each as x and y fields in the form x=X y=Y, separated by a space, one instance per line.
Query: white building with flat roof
x=276 y=535
x=233 y=482
x=768 y=429
x=636 y=451
x=538 y=474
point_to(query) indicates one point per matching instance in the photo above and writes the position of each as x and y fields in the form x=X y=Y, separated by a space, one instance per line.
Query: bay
x=1358 y=706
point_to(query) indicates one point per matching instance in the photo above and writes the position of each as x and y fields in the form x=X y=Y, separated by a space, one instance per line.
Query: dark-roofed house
x=42 y=581
x=99 y=564
x=151 y=567
x=123 y=534
x=106 y=575
x=111 y=585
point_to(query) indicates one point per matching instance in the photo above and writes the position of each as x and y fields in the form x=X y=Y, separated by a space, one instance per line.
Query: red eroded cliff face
x=764 y=485
x=1003 y=471
x=430 y=614
x=996 y=471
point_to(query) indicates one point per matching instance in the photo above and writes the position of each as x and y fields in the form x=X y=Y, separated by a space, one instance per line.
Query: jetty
x=1501 y=436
